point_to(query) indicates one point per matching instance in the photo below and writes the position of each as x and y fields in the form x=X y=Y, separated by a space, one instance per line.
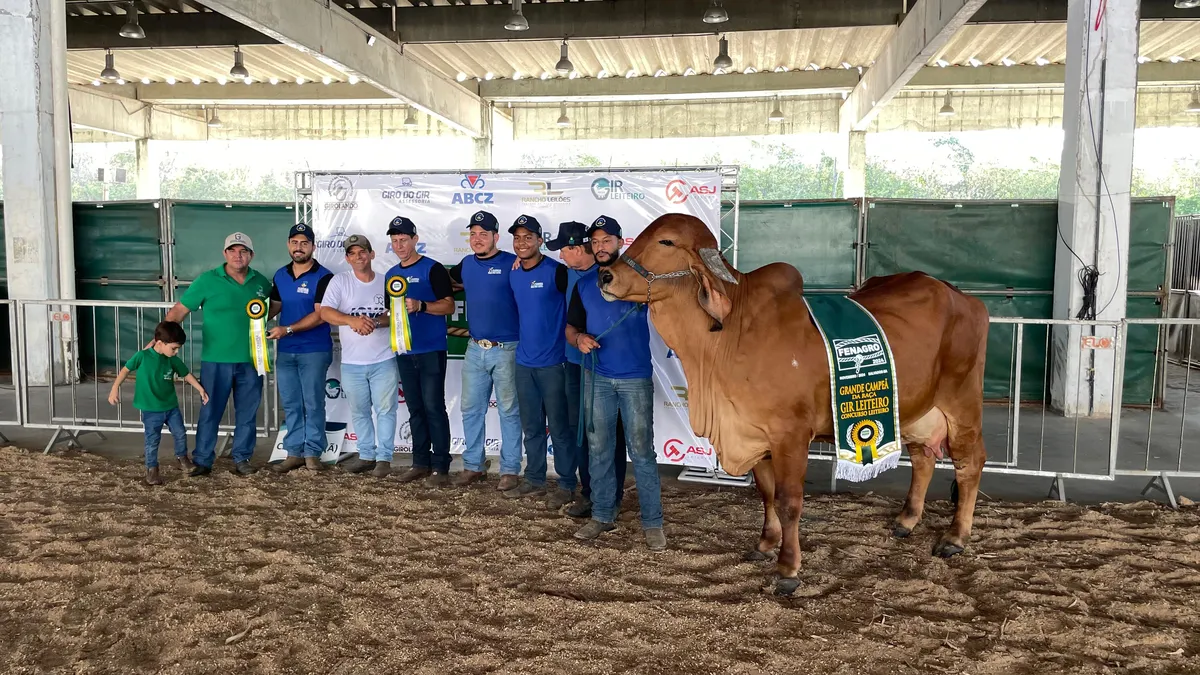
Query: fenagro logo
x=546 y=194
x=681 y=393
x=679 y=190
x=474 y=184
x=614 y=188
x=859 y=352
x=676 y=450
x=343 y=193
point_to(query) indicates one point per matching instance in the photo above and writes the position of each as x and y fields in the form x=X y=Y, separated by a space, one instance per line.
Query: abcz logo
x=474 y=184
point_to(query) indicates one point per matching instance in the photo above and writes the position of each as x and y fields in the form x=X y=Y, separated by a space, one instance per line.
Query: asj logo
x=676 y=450
x=679 y=190
x=473 y=183
x=546 y=194
x=614 y=188
x=343 y=192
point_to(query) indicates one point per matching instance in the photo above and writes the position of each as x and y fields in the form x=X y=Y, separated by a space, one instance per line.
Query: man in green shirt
x=226 y=365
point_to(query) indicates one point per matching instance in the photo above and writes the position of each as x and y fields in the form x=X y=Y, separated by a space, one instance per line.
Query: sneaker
x=358 y=465
x=184 y=463
x=525 y=489
x=560 y=498
x=153 y=477
x=200 y=471
x=244 y=469
x=288 y=464
x=508 y=481
x=582 y=508
x=415 y=473
x=382 y=469
x=314 y=464
x=655 y=539
x=438 y=479
x=593 y=529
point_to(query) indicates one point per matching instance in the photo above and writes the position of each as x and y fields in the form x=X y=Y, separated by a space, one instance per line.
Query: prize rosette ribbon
x=256 y=309
x=401 y=331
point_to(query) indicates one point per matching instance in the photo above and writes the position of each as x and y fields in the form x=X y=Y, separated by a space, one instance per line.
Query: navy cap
x=606 y=223
x=528 y=222
x=301 y=229
x=485 y=220
x=569 y=234
x=402 y=225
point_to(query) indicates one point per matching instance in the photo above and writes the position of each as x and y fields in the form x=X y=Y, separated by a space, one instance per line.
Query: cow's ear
x=714 y=303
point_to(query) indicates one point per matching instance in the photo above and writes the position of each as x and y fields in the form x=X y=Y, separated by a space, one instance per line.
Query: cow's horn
x=712 y=260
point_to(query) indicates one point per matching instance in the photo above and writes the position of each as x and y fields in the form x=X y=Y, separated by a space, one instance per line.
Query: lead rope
x=589 y=393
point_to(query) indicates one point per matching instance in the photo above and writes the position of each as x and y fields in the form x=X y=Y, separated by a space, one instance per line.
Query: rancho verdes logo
x=614 y=188
x=473 y=184
x=679 y=190
x=546 y=194
x=342 y=190
x=860 y=352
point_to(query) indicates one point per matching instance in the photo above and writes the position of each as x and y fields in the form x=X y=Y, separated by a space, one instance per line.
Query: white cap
x=239 y=238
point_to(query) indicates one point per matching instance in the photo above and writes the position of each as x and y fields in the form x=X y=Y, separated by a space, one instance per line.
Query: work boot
x=438 y=479
x=358 y=465
x=184 y=463
x=153 y=477
x=468 y=476
x=199 y=471
x=314 y=464
x=244 y=469
x=382 y=469
x=508 y=481
x=582 y=508
x=560 y=498
x=288 y=464
x=593 y=529
x=525 y=489
x=415 y=473
x=655 y=539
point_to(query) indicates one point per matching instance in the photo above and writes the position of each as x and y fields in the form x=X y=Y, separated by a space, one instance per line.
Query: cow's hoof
x=786 y=585
x=899 y=531
x=947 y=549
x=754 y=555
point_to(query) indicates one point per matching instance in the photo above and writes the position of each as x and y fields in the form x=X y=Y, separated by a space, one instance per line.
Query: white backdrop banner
x=441 y=205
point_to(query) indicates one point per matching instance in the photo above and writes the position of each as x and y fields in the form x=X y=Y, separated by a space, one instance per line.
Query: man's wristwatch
x=422 y=309
x=288 y=329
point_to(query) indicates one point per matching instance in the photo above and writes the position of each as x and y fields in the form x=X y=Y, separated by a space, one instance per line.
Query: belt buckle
x=486 y=344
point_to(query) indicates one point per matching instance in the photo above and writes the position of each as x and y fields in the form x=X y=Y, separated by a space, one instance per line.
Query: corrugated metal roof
x=757 y=51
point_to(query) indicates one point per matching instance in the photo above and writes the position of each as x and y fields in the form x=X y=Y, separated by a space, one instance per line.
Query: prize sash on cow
x=862 y=377
x=401 y=330
x=259 y=351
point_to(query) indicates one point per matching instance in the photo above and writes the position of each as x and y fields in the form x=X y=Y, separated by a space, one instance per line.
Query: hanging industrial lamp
x=110 y=72
x=238 y=71
x=564 y=64
x=715 y=13
x=947 y=109
x=132 y=29
x=722 y=62
x=517 y=20
x=563 y=120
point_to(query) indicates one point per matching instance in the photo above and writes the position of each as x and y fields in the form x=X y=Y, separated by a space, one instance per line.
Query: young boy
x=154 y=394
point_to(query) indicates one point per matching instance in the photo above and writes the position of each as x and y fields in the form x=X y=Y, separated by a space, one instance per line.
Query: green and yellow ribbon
x=259 y=350
x=401 y=331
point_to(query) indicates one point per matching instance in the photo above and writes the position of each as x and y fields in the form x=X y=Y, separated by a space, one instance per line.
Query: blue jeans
x=542 y=399
x=634 y=400
x=620 y=458
x=482 y=369
x=423 y=377
x=153 y=423
x=374 y=387
x=219 y=380
x=301 y=382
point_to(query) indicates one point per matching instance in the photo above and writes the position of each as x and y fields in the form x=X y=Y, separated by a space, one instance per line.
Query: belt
x=487 y=344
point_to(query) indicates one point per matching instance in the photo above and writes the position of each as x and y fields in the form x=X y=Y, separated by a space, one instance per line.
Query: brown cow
x=759 y=378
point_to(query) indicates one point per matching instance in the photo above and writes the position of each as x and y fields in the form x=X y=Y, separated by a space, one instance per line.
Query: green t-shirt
x=154 y=390
x=226 y=328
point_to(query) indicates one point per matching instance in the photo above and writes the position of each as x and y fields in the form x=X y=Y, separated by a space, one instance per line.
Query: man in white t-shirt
x=355 y=302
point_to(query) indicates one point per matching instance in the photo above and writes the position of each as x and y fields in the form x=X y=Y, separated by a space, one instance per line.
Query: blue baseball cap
x=485 y=220
x=402 y=225
x=301 y=229
x=528 y=222
x=571 y=233
x=606 y=223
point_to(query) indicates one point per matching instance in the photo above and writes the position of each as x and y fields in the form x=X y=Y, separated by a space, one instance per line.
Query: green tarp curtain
x=200 y=230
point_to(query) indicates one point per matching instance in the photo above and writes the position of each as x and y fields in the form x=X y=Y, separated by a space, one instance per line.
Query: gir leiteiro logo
x=333 y=389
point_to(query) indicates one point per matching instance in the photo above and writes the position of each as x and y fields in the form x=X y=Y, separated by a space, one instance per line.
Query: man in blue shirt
x=429 y=299
x=574 y=249
x=304 y=353
x=615 y=340
x=539 y=286
x=491 y=353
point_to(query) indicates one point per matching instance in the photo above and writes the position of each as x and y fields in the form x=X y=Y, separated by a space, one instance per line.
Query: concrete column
x=1097 y=169
x=32 y=158
x=483 y=144
x=855 y=175
x=146 y=167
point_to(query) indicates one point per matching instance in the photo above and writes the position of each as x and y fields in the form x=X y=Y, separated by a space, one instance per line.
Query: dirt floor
x=346 y=574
